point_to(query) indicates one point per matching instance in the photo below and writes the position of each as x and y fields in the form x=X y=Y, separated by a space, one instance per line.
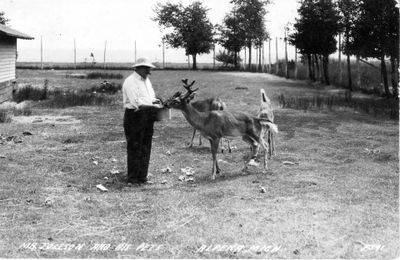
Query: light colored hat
x=143 y=62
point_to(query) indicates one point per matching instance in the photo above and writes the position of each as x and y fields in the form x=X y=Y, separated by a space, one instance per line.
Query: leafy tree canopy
x=3 y=20
x=316 y=28
x=189 y=27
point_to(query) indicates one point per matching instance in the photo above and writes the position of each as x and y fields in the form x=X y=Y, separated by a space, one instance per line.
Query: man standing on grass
x=141 y=111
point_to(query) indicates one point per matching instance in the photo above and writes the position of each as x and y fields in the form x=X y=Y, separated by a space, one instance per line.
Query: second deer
x=266 y=113
x=220 y=123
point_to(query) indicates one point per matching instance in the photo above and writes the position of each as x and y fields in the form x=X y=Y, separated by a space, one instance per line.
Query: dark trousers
x=138 y=127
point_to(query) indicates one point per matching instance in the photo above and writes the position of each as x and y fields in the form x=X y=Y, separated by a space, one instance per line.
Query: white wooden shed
x=8 y=58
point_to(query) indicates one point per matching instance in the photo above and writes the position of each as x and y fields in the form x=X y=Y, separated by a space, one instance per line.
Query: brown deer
x=206 y=105
x=220 y=123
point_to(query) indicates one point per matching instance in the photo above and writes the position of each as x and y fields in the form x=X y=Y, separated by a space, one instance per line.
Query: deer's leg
x=254 y=147
x=214 y=143
x=200 y=143
x=269 y=141
x=191 y=141
x=272 y=143
x=229 y=146
x=266 y=148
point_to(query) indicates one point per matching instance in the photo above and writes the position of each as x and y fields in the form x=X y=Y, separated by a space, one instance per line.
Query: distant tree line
x=370 y=29
x=190 y=28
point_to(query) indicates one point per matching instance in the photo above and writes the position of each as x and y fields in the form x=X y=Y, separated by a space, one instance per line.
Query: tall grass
x=62 y=99
x=102 y=75
x=372 y=106
x=5 y=116
x=370 y=77
x=31 y=93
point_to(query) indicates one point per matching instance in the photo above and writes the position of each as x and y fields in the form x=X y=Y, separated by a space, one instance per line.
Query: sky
x=96 y=25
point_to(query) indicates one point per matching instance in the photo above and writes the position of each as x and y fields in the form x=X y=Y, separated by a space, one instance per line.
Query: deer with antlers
x=206 y=105
x=220 y=123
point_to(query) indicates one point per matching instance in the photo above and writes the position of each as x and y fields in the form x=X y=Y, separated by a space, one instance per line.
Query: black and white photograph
x=199 y=129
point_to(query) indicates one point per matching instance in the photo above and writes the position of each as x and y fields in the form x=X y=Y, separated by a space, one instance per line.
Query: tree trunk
x=194 y=62
x=340 y=59
x=349 y=73
x=318 y=74
x=395 y=76
x=325 y=63
x=358 y=72
x=321 y=68
x=249 y=65
x=384 y=75
x=310 y=69
x=236 y=61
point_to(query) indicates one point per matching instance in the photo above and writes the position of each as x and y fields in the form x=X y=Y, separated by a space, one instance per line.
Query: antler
x=190 y=91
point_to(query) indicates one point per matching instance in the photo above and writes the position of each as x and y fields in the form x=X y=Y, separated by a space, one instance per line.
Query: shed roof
x=5 y=30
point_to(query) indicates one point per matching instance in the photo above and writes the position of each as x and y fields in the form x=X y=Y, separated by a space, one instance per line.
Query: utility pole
x=286 y=55
x=74 y=53
x=263 y=57
x=41 y=53
x=135 y=51
x=105 y=47
x=269 y=56
x=163 y=54
x=295 y=62
x=276 y=62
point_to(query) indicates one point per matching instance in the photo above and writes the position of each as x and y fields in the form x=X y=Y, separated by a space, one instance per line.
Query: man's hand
x=158 y=105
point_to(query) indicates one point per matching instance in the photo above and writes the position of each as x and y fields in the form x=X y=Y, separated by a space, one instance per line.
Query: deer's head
x=179 y=100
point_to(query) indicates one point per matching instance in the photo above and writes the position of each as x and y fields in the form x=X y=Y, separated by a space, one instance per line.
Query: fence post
x=74 y=53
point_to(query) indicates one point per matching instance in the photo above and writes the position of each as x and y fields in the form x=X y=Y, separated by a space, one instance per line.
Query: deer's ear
x=191 y=97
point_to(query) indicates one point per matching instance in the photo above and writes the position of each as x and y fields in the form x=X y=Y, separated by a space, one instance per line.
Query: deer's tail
x=263 y=96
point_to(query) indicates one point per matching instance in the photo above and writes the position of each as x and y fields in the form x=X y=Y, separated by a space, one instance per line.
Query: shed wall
x=8 y=47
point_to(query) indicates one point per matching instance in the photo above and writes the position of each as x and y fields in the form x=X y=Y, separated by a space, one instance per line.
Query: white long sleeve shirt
x=137 y=91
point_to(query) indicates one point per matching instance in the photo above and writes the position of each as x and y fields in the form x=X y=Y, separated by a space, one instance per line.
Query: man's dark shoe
x=140 y=181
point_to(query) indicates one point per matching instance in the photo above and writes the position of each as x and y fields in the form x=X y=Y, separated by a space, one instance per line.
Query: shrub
x=62 y=99
x=31 y=93
x=5 y=116
x=106 y=87
x=375 y=107
x=102 y=75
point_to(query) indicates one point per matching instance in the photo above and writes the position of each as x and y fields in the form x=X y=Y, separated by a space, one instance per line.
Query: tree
x=228 y=58
x=191 y=28
x=349 y=11
x=250 y=17
x=376 y=34
x=315 y=32
x=3 y=20
x=232 y=37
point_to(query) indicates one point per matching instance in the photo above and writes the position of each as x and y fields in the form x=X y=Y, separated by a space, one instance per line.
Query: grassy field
x=331 y=192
